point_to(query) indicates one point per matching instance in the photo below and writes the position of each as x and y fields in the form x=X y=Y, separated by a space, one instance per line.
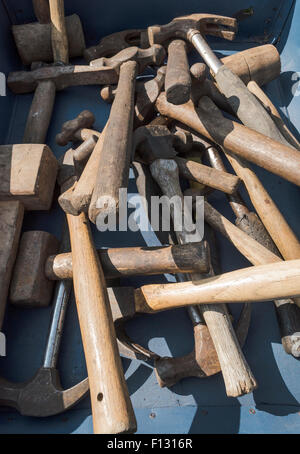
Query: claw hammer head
x=42 y=395
x=183 y=27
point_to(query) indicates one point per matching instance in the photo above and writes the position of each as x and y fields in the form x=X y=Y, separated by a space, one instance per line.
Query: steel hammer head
x=42 y=395
x=206 y=24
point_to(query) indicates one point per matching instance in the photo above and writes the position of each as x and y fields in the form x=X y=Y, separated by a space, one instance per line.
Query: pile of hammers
x=162 y=127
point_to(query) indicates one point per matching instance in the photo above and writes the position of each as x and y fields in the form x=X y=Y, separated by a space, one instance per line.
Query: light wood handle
x=281 y=233
x=41 y=11
x=132 y=261
x=265 y=100
x=242 y=141
x=236 y=372
x=111 y=407
x=83 y=191
x=195 y=171
x=59 y=38
x=258 y=283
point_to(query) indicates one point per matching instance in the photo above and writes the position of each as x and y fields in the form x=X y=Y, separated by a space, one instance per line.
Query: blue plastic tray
x=194 y=405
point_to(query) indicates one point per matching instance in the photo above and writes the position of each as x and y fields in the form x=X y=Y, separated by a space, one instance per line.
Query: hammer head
x=42 y=395
x=206 y=24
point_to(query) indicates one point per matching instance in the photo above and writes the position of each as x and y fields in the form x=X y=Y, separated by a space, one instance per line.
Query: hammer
x=288 y=314
x=38 y=265
x=35 y=41
x=153 y=142
x=43 y=395
x=45 y=81
x=146 y=95
x=242 y=141
x=243 y=103
x=111 y=407
x=236 y=372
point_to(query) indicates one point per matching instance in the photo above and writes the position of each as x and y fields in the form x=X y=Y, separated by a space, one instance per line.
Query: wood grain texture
x=11 y=219
x=195 y=171
x=33 y=40
x=40 y=113
x=83 y=191
x=131 y=261
x=114 y=160
x=59 y=36
x=111 y=407
x=255 y=284
x=28 y=174
x=265 y=100
x=245 y=142
x=236 y=372
x=178 y=81
x=41 y=11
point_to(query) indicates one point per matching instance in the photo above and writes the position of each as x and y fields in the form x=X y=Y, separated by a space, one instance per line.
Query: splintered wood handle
x=111 y=406
x=254 y=284
x=236 y=372
x=59 y=38
x=242 y=141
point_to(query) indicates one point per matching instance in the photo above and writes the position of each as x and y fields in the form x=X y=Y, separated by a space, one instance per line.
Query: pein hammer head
x=181 y=27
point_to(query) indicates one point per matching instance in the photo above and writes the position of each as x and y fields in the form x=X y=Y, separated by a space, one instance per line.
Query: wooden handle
x=257 y=283
x=261 y=64
x=260 y=94
x=236 y=372
x=83 y=191
x=243 y=141
x=279 y=230
x=223 y=181
x=287 y=313
x=111 y=406
x=41 y=11
x=40 y=113
x=59 y=38
x=246 y=106
x=171 y=370
x=178 y=81
x=114 y=161
x=131 y=261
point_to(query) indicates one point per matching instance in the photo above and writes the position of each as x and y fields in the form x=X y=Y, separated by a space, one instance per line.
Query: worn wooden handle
x=178 y=81
x=114 y=160
x=237 y=375
x=117 y=262
x=111 y=406
x=243 y=141
x=40 y=113
x=265 y=100
x=195 y=171
x=246 y=106
x=59 y=38
x=83 y=191
x=257 y=283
